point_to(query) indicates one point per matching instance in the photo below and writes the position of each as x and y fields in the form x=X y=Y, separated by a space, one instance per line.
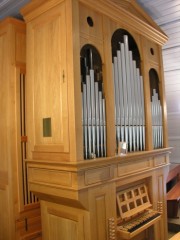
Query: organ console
x=135 y=211
x=94 y=84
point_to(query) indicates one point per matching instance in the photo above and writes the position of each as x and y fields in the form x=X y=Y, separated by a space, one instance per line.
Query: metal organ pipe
x=94 y=110
x=132 y=78
x=84 y=110
x=143 y=114
x=124 y=92
x=129 y=99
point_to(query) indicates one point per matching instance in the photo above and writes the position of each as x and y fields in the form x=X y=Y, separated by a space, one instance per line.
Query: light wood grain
x=80 y=196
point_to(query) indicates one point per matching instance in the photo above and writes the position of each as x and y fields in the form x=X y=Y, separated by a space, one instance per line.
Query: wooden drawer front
x=133 y=167
x=87 y=31
x=97 y=175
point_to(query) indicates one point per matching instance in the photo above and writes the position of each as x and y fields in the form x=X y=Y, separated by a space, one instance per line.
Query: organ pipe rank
x=93 y=109
x=129 y=99
x=157 y=128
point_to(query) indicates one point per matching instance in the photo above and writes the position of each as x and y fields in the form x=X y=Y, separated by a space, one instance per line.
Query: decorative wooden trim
x=107 y=7
x=36 y=5
x=100 y=162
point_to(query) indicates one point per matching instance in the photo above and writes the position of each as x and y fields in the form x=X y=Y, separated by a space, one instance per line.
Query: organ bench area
x=97 y=150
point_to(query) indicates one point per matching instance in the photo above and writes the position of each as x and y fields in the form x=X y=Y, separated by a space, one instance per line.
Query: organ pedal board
x=135 y=212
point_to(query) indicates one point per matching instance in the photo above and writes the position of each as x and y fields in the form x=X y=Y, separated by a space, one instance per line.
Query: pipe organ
x=95 y=90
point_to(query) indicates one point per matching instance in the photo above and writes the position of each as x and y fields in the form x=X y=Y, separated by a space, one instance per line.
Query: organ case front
x=95 y=84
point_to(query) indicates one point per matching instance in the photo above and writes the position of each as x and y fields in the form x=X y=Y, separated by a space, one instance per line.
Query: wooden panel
x=34 y=236
x=20 y=47
x=50 y=176
x=160 y=161
x=64 y=223
x=96 y=30
x=3 y=180
x=161 y=188
x=161 y=198
x=101 y=216
x=97 y=175
x=4 y=218
x=62 y=228
x=3 y=101
x=100 y=200
x=49 y=80
x=129 y=168
x=152 y=51
x=28 y=226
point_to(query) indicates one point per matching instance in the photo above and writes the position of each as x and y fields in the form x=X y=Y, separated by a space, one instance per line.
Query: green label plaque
x=47 y=127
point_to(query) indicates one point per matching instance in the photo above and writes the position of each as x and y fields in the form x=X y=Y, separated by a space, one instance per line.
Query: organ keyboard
x=135 y=212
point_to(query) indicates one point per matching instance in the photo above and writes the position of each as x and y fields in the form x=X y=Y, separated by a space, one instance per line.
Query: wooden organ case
x=96 y=121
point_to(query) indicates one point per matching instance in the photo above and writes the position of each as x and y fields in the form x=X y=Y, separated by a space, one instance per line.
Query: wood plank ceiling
x=166 y=13
x=11 y=8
